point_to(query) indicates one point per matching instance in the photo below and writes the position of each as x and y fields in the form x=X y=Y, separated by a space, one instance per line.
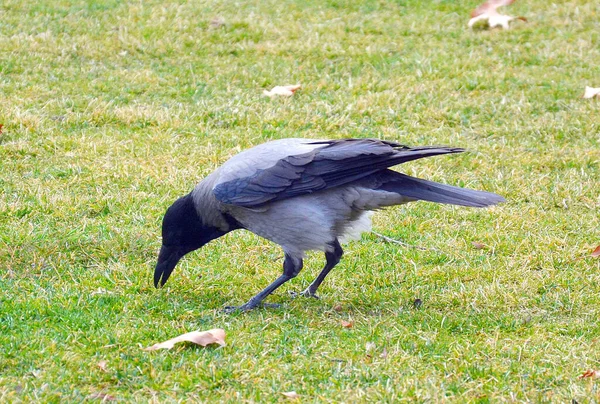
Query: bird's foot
x=250 y=306
x=305 y=293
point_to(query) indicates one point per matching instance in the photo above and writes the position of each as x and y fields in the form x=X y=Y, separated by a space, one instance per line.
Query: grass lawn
x=113 y=109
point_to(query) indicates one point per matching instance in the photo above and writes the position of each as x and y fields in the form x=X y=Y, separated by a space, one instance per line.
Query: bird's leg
x=332 y=260
x=291 y=268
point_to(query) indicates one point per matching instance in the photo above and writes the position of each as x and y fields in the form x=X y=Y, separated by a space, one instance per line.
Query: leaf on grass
x=291 y=395
x=217 y=23
x=338 y=307
x=479 y=246
x=596 y=252
x=592 y=374
x=1 y=126
x=488 y=11
x=591 y=92
x=285 y=91
x=102 y=396
x=203 y=338
x=347 y=324
x=103 y=365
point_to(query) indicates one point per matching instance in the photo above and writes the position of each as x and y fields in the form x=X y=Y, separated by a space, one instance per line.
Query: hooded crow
x=303 y=195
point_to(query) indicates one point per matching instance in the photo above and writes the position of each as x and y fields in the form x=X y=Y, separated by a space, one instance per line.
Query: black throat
x=183 y=228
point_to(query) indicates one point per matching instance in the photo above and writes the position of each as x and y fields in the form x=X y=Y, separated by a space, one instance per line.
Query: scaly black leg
x=291 y=268
x=332 y=260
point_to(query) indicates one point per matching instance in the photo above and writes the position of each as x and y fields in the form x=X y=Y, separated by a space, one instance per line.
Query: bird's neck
x=208 y=207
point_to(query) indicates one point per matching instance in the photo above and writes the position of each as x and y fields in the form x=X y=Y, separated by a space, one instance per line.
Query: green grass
x=111 y=110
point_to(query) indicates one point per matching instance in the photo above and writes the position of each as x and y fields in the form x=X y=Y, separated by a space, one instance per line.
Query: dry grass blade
x=104 y=397
x=402 y=243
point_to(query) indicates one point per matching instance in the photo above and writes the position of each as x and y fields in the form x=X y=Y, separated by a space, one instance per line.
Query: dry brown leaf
x=347 y=324
x=203 y=338
x=488 y=11
x=291 y=395
x=1 y=126
x=102 y=396
x=591 y=92
x=103 y=365
x=596 y=252
x=338 y=307
x=593 y=374
x=217 y=22
x=285 y=91
x=479 y=246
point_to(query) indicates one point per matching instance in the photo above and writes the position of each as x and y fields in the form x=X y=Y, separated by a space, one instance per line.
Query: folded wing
x=336 y=163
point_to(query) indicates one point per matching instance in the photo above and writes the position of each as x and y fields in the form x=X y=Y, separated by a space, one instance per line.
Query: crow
x=303 y=195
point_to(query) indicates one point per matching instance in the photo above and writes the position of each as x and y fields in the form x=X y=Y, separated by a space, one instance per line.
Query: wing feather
x=336 y=163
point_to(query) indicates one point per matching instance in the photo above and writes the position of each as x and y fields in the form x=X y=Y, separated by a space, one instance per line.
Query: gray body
x=308 y=194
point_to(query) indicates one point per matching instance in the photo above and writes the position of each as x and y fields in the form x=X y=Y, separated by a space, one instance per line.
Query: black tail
x=434 y=192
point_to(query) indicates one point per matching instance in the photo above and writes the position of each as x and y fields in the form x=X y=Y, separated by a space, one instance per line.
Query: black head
x=182 y=232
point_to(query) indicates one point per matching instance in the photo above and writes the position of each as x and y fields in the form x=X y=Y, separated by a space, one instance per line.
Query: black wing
x=337 y=163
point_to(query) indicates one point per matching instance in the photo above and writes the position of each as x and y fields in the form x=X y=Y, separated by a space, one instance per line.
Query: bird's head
x=182 y=232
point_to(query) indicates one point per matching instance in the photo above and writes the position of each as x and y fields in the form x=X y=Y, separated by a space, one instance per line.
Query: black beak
x=167 y=259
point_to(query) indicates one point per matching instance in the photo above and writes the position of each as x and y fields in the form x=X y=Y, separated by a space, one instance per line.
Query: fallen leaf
x=103 y=365
x=217 y=22
x=347 y=324
x=479 y=246
x=286 y=91
x=338 y=307
x=488 y=11
x=590 y=92
x=102 y=396
x=203 y=338
x=1 y=126
x=593 y=374
x=596 y=252
x=291 y=395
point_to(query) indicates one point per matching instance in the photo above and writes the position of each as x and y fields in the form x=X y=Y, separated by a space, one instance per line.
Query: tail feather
x=424 y=190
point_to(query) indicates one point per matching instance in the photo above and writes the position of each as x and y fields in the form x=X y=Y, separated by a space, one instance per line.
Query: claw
x=308 y=293
x=305 y=293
